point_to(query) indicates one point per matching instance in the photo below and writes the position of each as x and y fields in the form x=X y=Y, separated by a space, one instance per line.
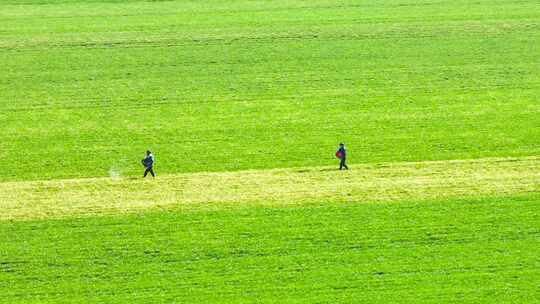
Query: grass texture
x=243 y=103
x=87 y=86
x=442 y=251
x=284 y=187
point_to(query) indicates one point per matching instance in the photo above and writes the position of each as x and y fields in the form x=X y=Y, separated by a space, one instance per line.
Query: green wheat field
x=243 y=103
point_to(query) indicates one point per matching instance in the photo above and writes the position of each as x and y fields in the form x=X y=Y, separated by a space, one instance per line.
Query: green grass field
x=431 y=252
x=243 y=103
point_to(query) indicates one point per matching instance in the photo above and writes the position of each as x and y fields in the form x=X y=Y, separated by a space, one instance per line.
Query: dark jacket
x=148 y=161
x=343 y=152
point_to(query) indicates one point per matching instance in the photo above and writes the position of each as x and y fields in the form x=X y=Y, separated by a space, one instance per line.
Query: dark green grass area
x=474 y=251
x=87 y=86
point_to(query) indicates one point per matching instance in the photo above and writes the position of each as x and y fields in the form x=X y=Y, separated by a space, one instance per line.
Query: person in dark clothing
x=148 y=163
x=342 y=155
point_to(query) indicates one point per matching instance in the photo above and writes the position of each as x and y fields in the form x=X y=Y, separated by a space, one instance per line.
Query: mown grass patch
x=363 y=183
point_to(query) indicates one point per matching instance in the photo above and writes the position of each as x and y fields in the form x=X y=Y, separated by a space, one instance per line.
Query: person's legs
x=342 y=164
x=146 y=171
x=151 y=170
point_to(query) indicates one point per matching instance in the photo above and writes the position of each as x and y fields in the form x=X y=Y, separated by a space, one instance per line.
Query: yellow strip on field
x=378 y=182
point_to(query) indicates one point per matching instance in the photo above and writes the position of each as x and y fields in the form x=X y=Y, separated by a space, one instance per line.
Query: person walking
x=148 y=162
x=342 y=155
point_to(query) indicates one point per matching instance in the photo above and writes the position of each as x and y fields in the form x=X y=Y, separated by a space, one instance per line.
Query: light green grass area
x=244 y=103
x=87 y=86
x=283 y=187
